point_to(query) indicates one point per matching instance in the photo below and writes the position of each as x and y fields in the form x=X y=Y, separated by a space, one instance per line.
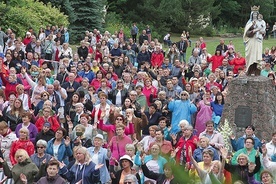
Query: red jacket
x=52 y=120
x=157 y=59
x=21 y=144
x=191 y=142
x=9 y=87
x=216 y=61
x=237 y=63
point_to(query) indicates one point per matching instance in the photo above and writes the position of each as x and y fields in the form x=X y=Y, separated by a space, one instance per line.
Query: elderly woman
x=26 y=122
x=100 y=155
x=203 y=145
x=215 y=138
x=111 y=129
x=22 y=143
x=183 y=143
x=47 y=117
x=139 y=123
x=90 y=130
x=81 y=139
x=117 y=145
x=59 y=147
x=182 y=109
x=240 y=171
x=40 y=156
x=84 y=170
x=25 y=171
x=153 y=161
x=126 y=165
x=204 y=167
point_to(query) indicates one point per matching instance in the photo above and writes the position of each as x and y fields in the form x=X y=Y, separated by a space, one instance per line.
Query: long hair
x=87 y=157
x=216 y=99
x=20 y=109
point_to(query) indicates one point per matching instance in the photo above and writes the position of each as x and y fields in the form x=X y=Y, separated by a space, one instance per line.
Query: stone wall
x=251 y=101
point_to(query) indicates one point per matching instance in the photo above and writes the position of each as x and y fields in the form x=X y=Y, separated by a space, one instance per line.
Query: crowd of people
x=123 y=111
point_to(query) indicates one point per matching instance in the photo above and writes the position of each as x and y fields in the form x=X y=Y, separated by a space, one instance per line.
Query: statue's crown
x=255 y=8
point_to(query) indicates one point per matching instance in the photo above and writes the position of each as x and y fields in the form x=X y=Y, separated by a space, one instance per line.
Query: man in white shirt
x=61 y=92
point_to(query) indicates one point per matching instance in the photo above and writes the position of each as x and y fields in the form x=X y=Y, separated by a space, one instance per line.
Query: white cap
x=100 y=136
x=28 y=33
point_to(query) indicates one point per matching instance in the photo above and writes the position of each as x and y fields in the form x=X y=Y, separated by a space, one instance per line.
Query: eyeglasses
x=40 y=147
x=183 y=94
x=249 y=142
x=120 y=82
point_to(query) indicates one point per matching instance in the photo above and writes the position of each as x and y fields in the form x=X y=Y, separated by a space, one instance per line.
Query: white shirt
x=62 y=103
x=271 y=149
x=25 y=99
x=146 y=141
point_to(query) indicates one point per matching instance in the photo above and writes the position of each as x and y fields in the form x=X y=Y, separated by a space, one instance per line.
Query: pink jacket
x=111 y=129
x=117 y=148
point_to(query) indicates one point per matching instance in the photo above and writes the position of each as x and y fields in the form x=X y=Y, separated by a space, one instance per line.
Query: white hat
x=100 y=136
x=126 y=157
x=28 y=33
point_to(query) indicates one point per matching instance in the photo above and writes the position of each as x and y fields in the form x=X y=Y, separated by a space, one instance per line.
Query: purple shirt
x=32 y=131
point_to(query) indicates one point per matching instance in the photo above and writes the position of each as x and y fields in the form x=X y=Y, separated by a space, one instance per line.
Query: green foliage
x=22 y=14
x=88 y=15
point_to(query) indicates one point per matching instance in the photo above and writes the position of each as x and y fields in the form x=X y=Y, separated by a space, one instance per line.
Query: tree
x=21 y=14
x=88 y=17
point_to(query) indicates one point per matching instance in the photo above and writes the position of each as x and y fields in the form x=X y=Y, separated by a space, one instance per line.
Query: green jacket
x=27 y=167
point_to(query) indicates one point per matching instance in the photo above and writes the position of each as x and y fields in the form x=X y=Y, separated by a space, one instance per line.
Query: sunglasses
x=183 y=94
x=45 y=95
x=40 y=147
x=128 y=182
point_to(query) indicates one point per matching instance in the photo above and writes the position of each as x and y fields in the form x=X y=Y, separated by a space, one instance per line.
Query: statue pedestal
x=251 y=101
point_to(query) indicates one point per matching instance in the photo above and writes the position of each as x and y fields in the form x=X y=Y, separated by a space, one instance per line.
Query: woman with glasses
x=240 y=169
x=117 y=145
x=47 y=116
x=111 y=129
x=59 y=147
x=203 y=169
x=182 y=109
x=40 y=156
x=154 y=161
